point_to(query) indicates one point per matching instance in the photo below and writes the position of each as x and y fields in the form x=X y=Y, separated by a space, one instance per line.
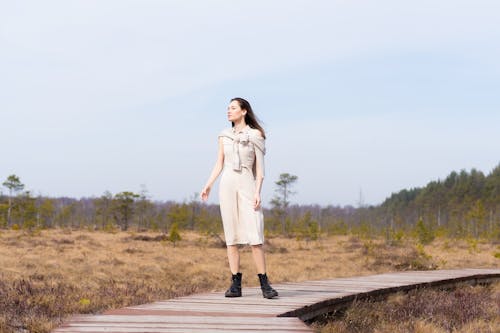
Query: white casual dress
x=243 y=154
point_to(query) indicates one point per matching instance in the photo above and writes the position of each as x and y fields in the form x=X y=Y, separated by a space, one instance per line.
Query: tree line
x=20 y=209
x=464 y=204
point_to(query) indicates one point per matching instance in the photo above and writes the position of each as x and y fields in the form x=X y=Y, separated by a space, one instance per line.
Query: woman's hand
x=256 y=201
x=204 y=193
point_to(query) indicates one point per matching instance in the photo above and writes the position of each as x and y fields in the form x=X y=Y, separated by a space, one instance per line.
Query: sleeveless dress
x=243 y=154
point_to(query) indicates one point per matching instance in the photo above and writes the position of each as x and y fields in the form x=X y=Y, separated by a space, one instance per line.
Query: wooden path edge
x=310 y=312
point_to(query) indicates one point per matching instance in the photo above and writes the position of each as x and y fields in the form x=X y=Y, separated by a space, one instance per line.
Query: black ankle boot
x=235 y=289
x=267 y=290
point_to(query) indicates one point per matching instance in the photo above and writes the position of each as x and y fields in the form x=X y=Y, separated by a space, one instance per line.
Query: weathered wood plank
x=178 y=319
x=220 y=308
x=181 y=313
x=260 y=325
x=177 y=329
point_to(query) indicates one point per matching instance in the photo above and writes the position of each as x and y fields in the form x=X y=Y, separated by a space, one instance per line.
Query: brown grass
x=465 y=309
x=52 y=274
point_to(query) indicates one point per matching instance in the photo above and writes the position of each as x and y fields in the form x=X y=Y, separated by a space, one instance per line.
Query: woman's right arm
x=219 y=165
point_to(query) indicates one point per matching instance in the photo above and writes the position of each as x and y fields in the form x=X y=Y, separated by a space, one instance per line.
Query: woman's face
x=234 y=112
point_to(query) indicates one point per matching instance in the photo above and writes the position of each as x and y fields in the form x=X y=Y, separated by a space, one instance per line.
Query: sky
x=359 y=99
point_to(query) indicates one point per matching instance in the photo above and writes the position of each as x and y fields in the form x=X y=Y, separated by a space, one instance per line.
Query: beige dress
x=243 y=154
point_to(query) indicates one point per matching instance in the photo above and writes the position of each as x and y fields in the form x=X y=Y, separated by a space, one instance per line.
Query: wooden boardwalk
x=298 y=302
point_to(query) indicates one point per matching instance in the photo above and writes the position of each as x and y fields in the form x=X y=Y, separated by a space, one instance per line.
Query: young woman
x=241 y=155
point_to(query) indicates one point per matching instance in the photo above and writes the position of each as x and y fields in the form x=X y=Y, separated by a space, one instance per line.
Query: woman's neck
x=240 y=125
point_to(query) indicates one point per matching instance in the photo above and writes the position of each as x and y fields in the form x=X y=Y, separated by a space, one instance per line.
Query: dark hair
x=250 y=118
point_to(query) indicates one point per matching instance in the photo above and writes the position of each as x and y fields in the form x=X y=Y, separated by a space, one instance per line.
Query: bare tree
x=283 y=192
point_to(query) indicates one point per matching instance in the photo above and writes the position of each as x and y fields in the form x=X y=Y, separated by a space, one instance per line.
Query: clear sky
x=370 y=96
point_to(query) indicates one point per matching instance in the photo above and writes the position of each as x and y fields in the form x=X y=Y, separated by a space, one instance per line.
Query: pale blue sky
x=378 y=96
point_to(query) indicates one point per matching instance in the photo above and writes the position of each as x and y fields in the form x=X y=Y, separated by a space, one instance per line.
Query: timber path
x=297 y=304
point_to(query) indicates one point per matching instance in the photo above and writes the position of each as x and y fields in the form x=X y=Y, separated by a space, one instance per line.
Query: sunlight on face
x=235 y=112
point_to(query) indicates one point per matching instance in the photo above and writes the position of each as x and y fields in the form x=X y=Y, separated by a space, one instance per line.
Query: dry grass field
x=55 y=273
x=466 y=309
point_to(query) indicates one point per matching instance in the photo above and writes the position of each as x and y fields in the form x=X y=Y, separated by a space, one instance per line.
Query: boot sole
x=270 y=296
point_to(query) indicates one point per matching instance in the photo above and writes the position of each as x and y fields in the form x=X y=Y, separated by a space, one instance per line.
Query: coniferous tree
x=174 y=235
x=13 y=183
x=124 y=208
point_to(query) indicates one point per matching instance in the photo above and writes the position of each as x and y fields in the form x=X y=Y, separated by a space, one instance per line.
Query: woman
x=241 y=155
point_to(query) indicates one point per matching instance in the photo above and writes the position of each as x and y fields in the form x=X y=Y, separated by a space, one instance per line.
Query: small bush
x=63 y=241
x=174 y=236
x=111 y=228
x=472 y=242
x=425 y=234
x=271 y=248
x=394 y=238
x=147 y=238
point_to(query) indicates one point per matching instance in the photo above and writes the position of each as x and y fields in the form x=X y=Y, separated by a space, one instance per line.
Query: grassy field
x=55 y=273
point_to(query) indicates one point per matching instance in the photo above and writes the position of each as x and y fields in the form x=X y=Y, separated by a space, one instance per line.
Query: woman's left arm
x=259 y=176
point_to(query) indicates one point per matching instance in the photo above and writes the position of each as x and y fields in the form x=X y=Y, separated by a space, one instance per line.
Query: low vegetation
x=50 y=274
x=466 y=309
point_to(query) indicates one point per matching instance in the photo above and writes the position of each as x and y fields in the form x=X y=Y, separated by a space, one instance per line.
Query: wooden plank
x=260 y=325
x=179 y=312
x=212 y=307
x=175 y=330
x=178 y=319
x=279 y=301
x=247 y=326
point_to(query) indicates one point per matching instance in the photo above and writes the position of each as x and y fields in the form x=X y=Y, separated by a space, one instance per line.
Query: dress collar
x=244 y=129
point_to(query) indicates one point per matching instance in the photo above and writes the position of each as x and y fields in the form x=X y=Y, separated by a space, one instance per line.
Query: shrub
x=174 y=236
x=393 y=237
x=425 y=234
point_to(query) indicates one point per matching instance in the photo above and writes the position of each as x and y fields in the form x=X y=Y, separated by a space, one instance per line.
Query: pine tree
x=14 y=185
x=174 y=236
x=124 y=208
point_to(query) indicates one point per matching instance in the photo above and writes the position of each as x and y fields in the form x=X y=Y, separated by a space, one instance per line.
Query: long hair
x=250 y=118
